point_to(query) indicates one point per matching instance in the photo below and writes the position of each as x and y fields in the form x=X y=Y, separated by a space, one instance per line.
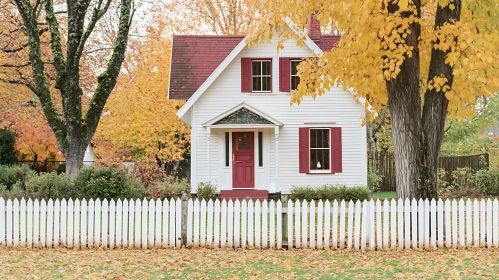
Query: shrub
x=487 y=181
x=170 y=190
x=10 y=175
x=330 y=192
x=7 y=147
x=106 y=182
x=374 y=181
x=16 y=191
x=149 y=174
x=206 y=191
x=49 y=185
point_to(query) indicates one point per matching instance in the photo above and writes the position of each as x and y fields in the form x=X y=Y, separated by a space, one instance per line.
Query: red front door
x=243 y=156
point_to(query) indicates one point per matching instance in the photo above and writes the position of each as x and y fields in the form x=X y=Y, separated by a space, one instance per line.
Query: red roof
x=195 y=57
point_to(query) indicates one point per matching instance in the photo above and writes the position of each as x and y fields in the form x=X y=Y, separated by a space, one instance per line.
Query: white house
x=246 y=137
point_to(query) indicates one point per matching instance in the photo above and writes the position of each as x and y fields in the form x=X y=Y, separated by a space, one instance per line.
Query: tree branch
x=55 y=43
x=96 y=15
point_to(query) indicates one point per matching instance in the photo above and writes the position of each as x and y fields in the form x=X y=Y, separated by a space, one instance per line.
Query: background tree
x=72 y=125
x=424 y=59
x=7 y=150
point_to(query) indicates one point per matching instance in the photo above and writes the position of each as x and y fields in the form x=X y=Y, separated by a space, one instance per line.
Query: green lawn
x=247 y=264
x=385 y=195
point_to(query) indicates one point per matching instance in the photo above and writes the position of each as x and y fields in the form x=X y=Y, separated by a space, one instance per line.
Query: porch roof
x=242 y=116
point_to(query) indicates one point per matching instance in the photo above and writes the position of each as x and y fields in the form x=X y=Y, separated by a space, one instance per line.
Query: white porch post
x=277 y=185
x=208 y=136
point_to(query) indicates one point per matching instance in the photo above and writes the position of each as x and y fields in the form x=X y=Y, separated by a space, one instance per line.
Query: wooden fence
x=239 y=224
x=384 y=164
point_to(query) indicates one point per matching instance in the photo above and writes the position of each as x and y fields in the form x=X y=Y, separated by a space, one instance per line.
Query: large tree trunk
x=74 y=157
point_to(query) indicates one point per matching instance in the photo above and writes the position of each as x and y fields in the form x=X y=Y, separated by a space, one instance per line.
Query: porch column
x=277 y=185
x=208 y=135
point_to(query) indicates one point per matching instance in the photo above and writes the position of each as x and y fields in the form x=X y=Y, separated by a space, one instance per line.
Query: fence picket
x=454 y=213
x=265 y=214
x=367 y=227
x=489 y=223
x=105 y=223
x=70 y=223
x=258 y=217
x=36 y=223
x=131 y=223
x=190 y=219
x=209 y=219
x=223 y=224
x=469 y=223
x=50 y=223
x=244 y=224
x=440 y=223
x=297 y=224
x=386 y=222
x=217 y=224
x=320 y=226
x=328 y=229
x=3 y=232
x=433 y=223
x=393 y=226
x=482 y=222
x=476 y=223
x=178 y=223
x=91 y=213
x=495 y=225
x=76 y=223
x=97 y=222
x=272 y=221
x=400 y=225
x=230 y=223
x=158 y=210
x=9 y=223
x=342 y=225
x=43 y=223
x=196 y=222
x=137 y=223
x=83 y=230
x=203 y=224
x=426 y=223
x=279 y=225
x=421 y=223
x=461 y=223
x=379 y=227
x=304 y=224
x=166 y=230
x=414 y=220
x=237 y=223
x=172 y=214
x=312 y=225
x=29 y=223
x=16 y=223
x=112 y=223
x=151 y=230
x=407 y=223
x=144 y=220
x=124 y=228
x=350 y=225
x=119 y=223
x=358 y=212
x=22 y=207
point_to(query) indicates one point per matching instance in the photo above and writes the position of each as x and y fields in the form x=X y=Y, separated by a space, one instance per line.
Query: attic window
x=261 y=75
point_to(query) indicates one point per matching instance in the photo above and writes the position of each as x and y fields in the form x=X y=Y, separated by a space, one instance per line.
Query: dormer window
x=261 y=75
x=256 y=75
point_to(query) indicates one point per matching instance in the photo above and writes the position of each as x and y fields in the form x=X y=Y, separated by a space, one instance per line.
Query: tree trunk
x=74 y=157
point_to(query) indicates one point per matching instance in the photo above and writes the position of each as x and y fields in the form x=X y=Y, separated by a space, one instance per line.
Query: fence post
x=184 y=208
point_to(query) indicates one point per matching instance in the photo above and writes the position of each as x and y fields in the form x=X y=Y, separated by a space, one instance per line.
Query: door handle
x=233 y=158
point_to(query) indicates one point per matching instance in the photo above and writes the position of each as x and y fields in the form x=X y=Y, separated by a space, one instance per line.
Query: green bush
x=206 y=191
x=374 y=181
x=11 y=174
x=171 y=190
x=330 y=192
x=106 y=182
x=50 y=185
x=487 y=181
x=16 y=191
x=7 y=147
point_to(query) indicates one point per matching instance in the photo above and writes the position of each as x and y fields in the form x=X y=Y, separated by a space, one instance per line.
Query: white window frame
x=261 y=75
x=310 y=150
x=291 y=75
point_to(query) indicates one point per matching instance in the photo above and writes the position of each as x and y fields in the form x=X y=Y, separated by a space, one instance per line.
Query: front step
x=244 y=194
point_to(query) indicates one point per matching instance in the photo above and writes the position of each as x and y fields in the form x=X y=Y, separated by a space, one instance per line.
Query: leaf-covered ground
x=256 y=264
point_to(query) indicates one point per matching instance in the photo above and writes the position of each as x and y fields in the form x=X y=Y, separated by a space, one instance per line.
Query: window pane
x=257 y=83
x=295 y=81
x=326 y=159
x=257 y=68
x=313 y=159
x=266 y=84
x=320 y=137
x=260 y=148
x=227 y=155
x=243 y=142
x=326 y=138
x=313 y=138
x=294 y=64
x=266 y=68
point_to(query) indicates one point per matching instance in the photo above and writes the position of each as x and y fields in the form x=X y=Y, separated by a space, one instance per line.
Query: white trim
x=211 y=122
x=325 y=171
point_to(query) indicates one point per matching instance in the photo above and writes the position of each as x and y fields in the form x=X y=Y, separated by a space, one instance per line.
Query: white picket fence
x=240 y=224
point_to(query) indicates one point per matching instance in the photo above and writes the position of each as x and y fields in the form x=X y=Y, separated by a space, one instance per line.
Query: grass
x=385 y=195
x=247 y=264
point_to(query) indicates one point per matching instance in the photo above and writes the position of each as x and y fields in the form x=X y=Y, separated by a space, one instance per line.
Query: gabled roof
x=194 y=58
x=241 y=110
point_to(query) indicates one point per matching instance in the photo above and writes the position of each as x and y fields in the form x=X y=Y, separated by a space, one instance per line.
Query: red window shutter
x=304 y=150
x=245 y=74
x=336 y=150
x=284 y=75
